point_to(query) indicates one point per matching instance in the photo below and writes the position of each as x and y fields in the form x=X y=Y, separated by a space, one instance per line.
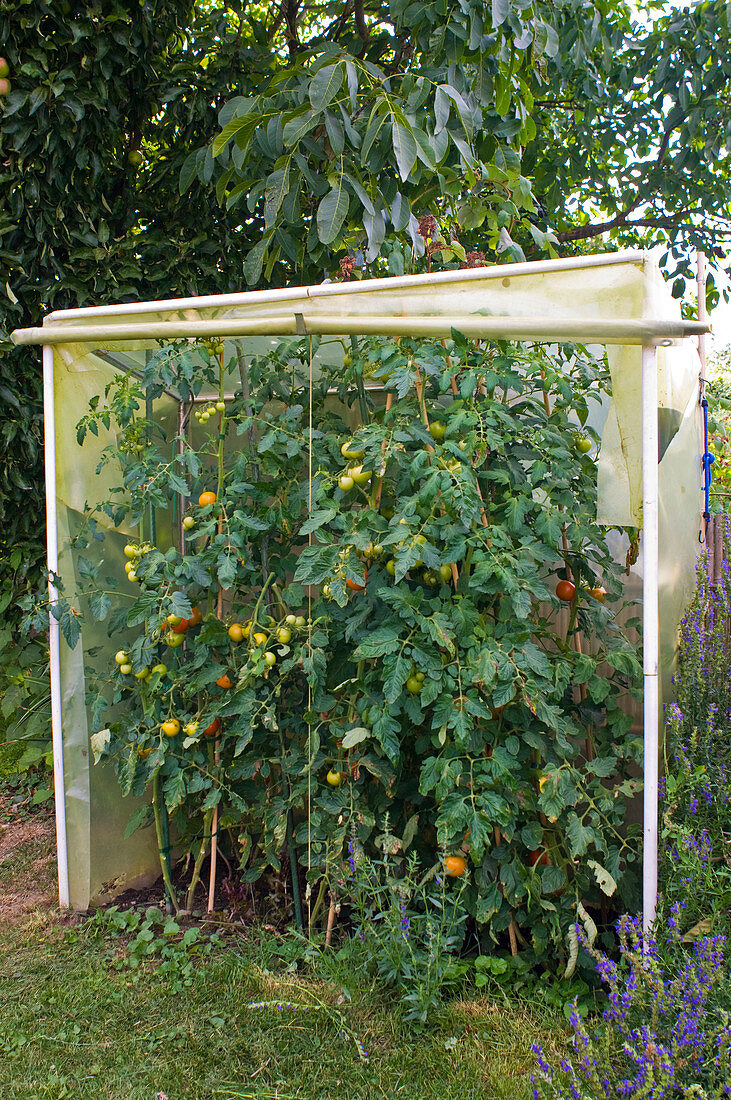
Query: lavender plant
x=408 y=923
x=696 y=830
x=666 y=1031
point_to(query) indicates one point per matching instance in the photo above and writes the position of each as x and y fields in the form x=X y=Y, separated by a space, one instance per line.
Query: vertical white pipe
x=700 y=260
x=650 y=632
x=49 y=433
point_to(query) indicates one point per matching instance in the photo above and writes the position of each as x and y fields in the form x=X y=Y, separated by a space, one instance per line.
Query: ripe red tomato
x=212 y=730
x=455 y=866
x=182 y=626
x=538 y=856
x=566 y=590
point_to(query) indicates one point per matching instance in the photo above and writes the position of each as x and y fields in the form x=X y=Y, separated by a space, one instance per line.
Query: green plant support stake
x=294 y=867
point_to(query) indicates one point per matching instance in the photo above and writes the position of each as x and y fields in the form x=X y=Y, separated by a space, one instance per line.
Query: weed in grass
x=152 y=936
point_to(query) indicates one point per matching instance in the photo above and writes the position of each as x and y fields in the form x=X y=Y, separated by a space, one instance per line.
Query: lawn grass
x=78 y=1019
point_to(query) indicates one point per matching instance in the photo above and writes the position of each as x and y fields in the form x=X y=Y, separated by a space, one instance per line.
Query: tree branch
x=291 y=11
x=584 y=232
x=360 y=22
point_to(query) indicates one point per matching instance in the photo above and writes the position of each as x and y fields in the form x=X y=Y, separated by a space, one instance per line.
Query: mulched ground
x=27 y=858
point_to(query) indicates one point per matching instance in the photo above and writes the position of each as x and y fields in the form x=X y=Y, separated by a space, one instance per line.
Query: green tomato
x=125 y=669
x=290 y=620
x=334 y=778
x=350 y=450
x=346 y=483
x=445 y=572
x=359 y=475
x=131 y=551
x=437 y=430
x=391 y=567
x=220 y=406
x=284 y=635
x=188 y=523
x=270 y=658
x=121 y=657
x=414 y=685
x=300 y=622
x=174 y=640
x=160 y=669
x=582 y=444
x=143 y=674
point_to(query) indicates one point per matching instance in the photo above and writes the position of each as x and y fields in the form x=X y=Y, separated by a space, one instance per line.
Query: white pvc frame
x=59 y=784
x=628 y=331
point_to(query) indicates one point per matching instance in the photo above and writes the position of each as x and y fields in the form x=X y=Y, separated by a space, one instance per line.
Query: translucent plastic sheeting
x=626 y=287
x=623 y=286
x=101 y=862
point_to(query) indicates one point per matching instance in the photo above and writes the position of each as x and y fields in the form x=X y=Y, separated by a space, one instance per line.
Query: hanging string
x=309 y=652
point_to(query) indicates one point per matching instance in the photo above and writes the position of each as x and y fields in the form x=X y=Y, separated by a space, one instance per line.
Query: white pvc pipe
x=588 y=330
x=397 y=282
x=59 y=784
x=650 y=634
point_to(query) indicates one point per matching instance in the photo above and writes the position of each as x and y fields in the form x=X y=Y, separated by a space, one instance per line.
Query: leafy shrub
x=398 y=630
x=25 y=706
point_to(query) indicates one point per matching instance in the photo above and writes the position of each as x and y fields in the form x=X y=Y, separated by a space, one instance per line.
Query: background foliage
x=518 y=128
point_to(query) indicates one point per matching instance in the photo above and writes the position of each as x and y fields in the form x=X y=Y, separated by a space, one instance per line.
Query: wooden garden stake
x=331 y=914
x=382 y=471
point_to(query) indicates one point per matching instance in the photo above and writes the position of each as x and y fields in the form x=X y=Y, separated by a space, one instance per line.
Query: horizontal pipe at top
x=588 y=330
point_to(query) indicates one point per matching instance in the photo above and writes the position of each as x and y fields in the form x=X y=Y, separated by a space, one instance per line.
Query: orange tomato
x=212 y=730
x=196 y=617
x=225 y=681
x=455 y=866
x=182 y=626
x=171 y=727
x=599 y=593
x=354 y=587
x=206 y=498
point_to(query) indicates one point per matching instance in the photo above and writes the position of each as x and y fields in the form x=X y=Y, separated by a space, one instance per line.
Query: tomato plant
x=398 y=634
